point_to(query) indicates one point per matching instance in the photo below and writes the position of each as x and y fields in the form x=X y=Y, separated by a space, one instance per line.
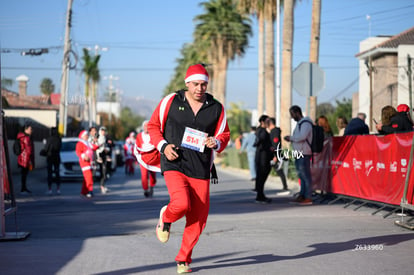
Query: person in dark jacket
x=264 y=155
x=187 y=128
x=26 y=159
x=357 y=126
x=394 y=121
x=52 y=151
x=277 y=162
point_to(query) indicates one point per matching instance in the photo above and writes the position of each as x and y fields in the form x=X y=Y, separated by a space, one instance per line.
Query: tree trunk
x=261 y=83
x=270 y=66
x=286 y=89
x=314 y=50
x=94 y=101
x=86 y=116
x=315 y=32
x=220 y=81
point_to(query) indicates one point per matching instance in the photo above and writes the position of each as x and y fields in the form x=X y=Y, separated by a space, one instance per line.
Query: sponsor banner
x=372 y=167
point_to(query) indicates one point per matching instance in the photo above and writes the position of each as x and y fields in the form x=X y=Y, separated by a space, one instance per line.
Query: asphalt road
x=114 y=233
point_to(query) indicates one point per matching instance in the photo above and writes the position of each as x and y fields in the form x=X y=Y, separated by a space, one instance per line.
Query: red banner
x=372 y=167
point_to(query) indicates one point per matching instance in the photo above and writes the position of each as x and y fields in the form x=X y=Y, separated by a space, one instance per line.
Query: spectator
x=277 y=161
x=26 y=159
x=341 y=124
x=85 y=151
x=324 y=123
x=52 y=151
x=404 y=108
x=301 y=138
x=110 y=146
x=263 y=157
x=393 y=121
x=102 y=158
x=129 y=154
x=248 y=146
x=238 y=141
x=357 y=126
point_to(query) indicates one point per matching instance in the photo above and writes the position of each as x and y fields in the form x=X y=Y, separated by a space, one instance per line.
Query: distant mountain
x=139 y=105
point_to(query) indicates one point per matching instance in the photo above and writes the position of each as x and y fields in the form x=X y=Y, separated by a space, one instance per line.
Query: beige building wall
x=403 y=93
x=385 y=84
x=364 y=85
x=46 y=117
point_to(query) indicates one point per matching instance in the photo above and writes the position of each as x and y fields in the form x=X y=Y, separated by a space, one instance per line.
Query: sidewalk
x=114 y=233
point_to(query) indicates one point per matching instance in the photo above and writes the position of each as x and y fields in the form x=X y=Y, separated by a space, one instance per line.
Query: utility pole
x=404 y=202
x=371 y=94
x=65 y=73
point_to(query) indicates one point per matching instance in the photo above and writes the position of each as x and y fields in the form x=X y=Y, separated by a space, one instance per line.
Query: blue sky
x=144 y=39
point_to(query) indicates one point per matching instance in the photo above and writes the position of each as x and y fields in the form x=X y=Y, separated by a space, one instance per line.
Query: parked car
x=69 y=161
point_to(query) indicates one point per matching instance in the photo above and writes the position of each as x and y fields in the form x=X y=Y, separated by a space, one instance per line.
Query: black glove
x=213 y=178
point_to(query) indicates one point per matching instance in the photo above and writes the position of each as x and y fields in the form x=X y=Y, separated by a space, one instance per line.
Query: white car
x=69 y=161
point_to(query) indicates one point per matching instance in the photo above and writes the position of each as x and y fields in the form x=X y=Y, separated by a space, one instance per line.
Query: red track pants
x=87 y=184
x=144 y=177
x=189 y=197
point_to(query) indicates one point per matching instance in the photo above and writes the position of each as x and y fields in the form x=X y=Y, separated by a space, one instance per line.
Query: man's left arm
x=222 y=134
x=305 y=130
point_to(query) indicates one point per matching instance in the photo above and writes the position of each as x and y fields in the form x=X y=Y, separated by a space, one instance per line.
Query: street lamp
x=97 y=49
x=110 y=90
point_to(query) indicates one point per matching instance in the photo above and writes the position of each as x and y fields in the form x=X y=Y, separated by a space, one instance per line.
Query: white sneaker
x=49 y=192
x=162 y=230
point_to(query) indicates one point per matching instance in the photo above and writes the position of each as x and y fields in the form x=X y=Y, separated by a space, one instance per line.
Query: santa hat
x=403 y=108
x=83 y=133
x=196 y=72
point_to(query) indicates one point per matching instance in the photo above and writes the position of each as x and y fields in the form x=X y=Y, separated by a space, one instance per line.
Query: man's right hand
x=170 y=152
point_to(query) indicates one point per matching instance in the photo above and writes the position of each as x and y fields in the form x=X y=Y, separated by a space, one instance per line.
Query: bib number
x=194 y=139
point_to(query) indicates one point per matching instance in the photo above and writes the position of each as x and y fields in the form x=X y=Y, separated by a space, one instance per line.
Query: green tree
x=226 y=30
x=239 y=119
x=265 y=10
x=6 y=82
x=47 y=87
x=91 y=71
x=343 y=108
x=324 y=109
x=119 y=128
x=130 y=121
x=190 y=54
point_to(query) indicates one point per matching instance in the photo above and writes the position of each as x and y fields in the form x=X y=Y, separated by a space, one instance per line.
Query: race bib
x=194 y=139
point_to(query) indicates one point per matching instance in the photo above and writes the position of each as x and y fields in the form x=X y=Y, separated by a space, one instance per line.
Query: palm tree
x=91 y=71
x=47 y=87
x=286 y=89
x=314 y=47
x=6 y=82
x=255 y=7
x=95 y=77
x=226 y=31
x=270 y=16
x=190 y=54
